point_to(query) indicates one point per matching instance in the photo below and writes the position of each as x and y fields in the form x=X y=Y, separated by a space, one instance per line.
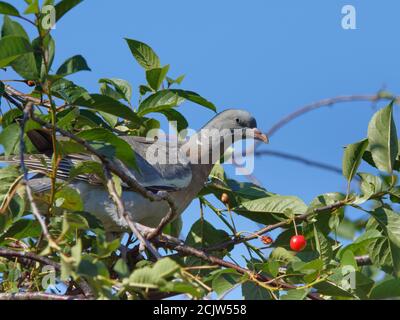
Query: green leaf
x=388 y=289
x=323 y=246
x=74 y=221
x=8 y=9
x=395 y=194
x=307 y=267
x=122 y=87
x=352 y=157
x=12 y=47
x=10 y=116
x=69 y=198
x=64 y=6
x=159 y=101
x=175 y=116
x=194 y=97
x=203 y=234
x=13 y=28
x=324 y=221
x=156 y=76
x=252 y=291
x=66 y=118
x=106 y=104
x=49 y=44
x=224 y=280
x=264 y=209
x=383 y=251
x=69 y=91
x=9 y=138
x=143 y=54
x=22 y=229
x=370 y=185
x=72 y=65
x=382 y=137
x=360 y=245
x=154 y=277
x=296 y=294
x=110 y=145
x=92 y=268
x=121 y=268
x=390 y=222
x=329 y=288
x=173 y=81
x=282 y=256
x=24 y=65
x=348 y=259
x=165 y=267
x=33 y=7
x=174 y=228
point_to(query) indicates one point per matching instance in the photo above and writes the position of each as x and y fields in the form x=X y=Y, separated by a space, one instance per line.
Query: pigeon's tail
x=10 y=159
x=32 y=161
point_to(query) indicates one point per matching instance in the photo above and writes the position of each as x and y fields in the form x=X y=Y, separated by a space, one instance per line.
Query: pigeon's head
x=237 y=119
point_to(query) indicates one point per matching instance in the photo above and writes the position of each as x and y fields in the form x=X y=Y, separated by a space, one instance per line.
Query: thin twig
x=308 y=162
x=363 y=260
x=111 y=165
x=327 y=102
x=187 y=250
x=35 y=210
x=24 y=256
x=124 y=215
x=164 y=240
x=39 y=296
x=281 y=224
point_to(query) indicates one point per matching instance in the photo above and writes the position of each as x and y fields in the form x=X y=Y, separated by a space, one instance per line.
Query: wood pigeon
x=182 y=178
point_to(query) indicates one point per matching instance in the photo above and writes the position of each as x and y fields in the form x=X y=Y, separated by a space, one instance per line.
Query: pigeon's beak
x=258 y=135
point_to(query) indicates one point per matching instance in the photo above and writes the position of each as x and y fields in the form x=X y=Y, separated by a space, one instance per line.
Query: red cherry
x=298 y=243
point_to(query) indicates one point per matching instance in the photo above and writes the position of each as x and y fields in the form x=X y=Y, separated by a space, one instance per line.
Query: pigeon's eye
x=237 y=120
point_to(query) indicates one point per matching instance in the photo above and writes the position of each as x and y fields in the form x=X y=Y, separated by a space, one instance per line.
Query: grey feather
x=182 y=179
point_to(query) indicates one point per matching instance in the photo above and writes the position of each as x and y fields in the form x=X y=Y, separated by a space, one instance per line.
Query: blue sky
x=269 y=57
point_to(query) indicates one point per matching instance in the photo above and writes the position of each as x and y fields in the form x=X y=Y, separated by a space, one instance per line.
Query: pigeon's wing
x=162 y=165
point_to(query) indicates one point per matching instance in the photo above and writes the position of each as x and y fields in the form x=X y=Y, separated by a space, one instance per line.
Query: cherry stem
x=295 y=227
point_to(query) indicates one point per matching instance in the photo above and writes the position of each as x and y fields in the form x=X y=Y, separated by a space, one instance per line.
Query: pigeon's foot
x=144 y=230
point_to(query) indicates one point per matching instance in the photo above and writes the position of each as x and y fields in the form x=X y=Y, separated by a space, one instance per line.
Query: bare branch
x=363 y=260
x=187 y=250
x=308 y=162
x=302 y=217
x=327 y=102
x=38 y=296
x=25 y=257
x=108 y=163
x=35 y=210
x=123 y=214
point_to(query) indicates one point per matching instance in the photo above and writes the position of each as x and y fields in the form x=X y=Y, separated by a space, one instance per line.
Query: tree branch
x=111 y=165
x=123 y=214
x=269 y=228
x=30 y=256
x=292 y=157
x=27 y=112
x=38 y=296
x=187 y=250
x=327 y=102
